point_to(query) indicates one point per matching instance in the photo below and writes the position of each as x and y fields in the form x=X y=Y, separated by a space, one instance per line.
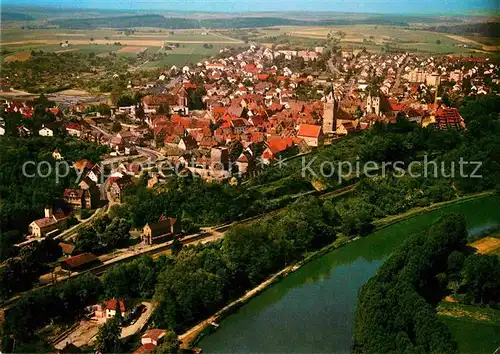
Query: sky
x=361 y=6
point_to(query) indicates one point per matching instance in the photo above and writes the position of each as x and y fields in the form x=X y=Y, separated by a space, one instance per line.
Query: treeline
x=233 y=22
x=393 y=314
x=485 y=29
x=15 y=16
x=23 y=197
x=24 y=266
x=202 y=279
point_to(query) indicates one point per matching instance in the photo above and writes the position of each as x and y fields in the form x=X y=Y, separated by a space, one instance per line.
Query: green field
x=475 y=329
x=185 y=54
x=373 y=37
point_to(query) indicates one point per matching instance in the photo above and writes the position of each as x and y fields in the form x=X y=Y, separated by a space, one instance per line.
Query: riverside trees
x=394 y=313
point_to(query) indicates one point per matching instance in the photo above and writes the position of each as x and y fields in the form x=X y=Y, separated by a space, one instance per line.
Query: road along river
x=312 y=310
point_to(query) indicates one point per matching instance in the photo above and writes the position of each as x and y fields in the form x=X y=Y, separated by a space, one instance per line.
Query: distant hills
x=15 y=16
x=229 y=22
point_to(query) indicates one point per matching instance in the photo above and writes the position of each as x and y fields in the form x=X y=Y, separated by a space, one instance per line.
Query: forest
x=223 y=23
x=394 y=311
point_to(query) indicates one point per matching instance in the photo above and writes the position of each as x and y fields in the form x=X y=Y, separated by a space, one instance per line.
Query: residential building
x=165 y=228
x=51 y=223
x=311 y=134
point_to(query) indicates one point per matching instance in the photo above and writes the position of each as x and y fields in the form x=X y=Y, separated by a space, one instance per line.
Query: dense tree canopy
x=393 y=313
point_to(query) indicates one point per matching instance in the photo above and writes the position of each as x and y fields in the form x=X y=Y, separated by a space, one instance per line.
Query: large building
x=51 y=223
x=161 y=230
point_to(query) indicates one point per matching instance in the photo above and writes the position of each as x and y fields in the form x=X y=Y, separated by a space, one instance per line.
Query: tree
x=108 y=337
x=235 y=149
x=176 y=246
x=116 y=127
x=117 y=233
x=438 y=41
x=481 y=277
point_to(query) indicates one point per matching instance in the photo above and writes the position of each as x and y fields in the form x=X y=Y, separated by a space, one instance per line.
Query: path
x=140 y=323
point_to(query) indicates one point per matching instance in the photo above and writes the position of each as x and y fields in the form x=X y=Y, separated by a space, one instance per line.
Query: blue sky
x=379 y=6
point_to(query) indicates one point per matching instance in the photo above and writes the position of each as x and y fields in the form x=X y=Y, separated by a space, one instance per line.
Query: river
x=312 y=310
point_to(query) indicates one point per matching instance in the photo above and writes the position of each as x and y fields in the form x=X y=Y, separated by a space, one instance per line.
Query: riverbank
x=196 y=333
x=393 y=219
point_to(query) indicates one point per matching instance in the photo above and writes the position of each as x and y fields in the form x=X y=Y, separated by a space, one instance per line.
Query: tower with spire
x=329 y=108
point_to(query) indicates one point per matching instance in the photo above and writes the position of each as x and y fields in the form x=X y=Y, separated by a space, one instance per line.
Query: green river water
x=312 y=310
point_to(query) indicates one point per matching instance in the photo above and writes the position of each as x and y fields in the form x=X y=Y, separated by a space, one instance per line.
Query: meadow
x=376 y=37
x=16 y=43
x=475 y=329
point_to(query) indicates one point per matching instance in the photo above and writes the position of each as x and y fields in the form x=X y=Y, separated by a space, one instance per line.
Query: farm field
x=374 y=35
x=17 y=43
x=475 y=329
x=185 y=54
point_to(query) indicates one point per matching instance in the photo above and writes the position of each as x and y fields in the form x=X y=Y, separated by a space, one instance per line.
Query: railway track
x=216 y=232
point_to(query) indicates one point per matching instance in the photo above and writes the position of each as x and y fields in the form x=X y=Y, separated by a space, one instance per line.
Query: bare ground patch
x=66 y=50
x=132 y=49
x=486 y=245
x=21 y=56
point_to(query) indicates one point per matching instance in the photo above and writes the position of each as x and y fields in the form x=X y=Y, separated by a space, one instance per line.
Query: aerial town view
x=223 y=176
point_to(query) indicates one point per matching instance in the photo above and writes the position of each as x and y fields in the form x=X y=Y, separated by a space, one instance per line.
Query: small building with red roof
x=311 y=134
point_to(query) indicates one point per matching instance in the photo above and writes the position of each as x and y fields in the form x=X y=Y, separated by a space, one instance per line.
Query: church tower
x=329 y=107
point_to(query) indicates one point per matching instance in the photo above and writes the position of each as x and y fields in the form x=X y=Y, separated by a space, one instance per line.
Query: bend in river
x=312 y=310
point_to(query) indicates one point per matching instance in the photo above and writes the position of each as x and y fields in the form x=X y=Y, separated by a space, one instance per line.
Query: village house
x=67 y=249
x=45 y=131
x=150 y=340
x=57 y=155
x=118 y=186
x=74 y=129
x=113 y=305
x=165 y=228
x=51 y=223
x=311 y=134
x=77 y=198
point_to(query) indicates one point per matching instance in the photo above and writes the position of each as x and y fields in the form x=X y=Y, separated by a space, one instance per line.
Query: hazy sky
x=380 y=6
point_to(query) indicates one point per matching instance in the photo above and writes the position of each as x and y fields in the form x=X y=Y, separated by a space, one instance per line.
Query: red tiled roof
x=84 y=163
x=154 y=334
x=145 y=348
x=113 y=304
x=81 y=259
x=66 y=247
x=309 y=130
x=279 y=144
x=74 y=126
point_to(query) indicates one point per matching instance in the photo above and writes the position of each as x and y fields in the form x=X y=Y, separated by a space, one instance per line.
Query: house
x=49 y=224
x=311 y=134
x=153 y=336
x=67 y=249
x=57 y=155
x=46 y=131
x=113 y=305
x=74 y=129
x=118 y=186
x=145 y=348
x=345 y=128
x=242 y=162
x=275 y=148
x=187 y=143
x=77 y=198
x=164 y=228
x=80 y=262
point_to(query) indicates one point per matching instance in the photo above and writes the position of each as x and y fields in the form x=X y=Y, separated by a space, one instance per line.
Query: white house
x=45 y=131
x=111 y=308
